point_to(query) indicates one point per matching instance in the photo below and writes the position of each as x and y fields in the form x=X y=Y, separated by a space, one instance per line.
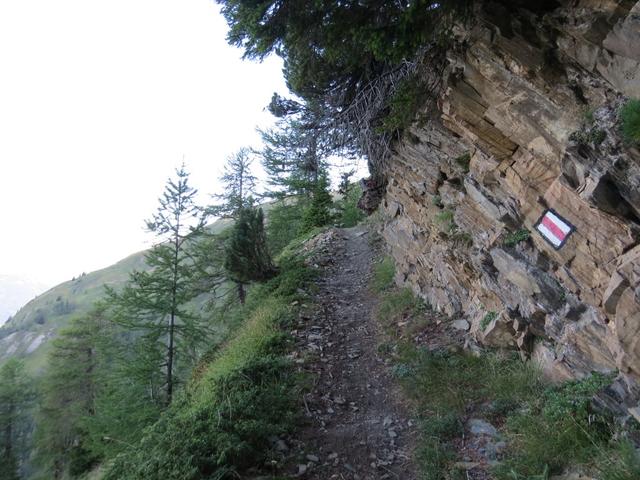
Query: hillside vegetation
x=27 y=334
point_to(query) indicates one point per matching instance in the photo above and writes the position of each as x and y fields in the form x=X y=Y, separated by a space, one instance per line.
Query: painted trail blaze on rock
x=554 y=229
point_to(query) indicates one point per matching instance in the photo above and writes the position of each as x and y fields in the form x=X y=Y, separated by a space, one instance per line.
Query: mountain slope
x=15 y=292
x=27 y=333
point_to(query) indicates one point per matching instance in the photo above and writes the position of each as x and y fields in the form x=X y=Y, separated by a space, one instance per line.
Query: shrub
x=350 y=214
x=487 y=319
x=556 y=430
x=622 y=463
x=513 y=238
x=245 y=393
x=445 y=218
x=630 y=121
x=463 y=161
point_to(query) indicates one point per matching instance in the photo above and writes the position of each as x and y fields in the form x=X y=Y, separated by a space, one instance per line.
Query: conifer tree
x=239 y=185
x=293 y=150
x=15 y=395
x=247 y=257
x=318 y=212
x=67 y=397
x=153 y=302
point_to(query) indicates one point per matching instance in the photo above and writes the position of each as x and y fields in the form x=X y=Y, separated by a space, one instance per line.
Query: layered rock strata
x=528 y=121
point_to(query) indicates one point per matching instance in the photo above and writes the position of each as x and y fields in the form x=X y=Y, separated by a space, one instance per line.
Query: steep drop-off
x=528 y=120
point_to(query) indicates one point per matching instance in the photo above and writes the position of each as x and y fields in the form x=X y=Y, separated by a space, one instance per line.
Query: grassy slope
x=41 y=318
x=245 y=393
x=547 y=428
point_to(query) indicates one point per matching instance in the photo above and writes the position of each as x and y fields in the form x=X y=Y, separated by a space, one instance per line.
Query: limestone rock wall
x=529 y=121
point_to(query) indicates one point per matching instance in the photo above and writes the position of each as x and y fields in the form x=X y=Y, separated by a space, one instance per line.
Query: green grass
x=445 y=216
x=350 y=215
x=548 y=428
x=630 y=121
x=246 y=393
x=445 y=219
x=397 y=303
x=383 y=275
x=556 y=429
x=487 y=319
x=444 y=386
x=622 y=462
x=513 y=238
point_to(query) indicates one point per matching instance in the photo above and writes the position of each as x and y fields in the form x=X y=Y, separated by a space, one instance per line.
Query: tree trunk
x=242 y=294
x=170 y=360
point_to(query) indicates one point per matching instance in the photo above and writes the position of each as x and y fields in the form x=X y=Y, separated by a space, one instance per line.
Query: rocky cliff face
x=528 y=121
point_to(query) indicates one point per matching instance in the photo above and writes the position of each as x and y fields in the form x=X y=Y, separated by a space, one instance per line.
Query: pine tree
x=239 y=185
x=153 y=302
x=293 y=151
x=15 y=395
x=67 y=397
x=247 y=258
x=318 y=212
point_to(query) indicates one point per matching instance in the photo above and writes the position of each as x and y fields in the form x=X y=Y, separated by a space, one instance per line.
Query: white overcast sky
x=99 y=101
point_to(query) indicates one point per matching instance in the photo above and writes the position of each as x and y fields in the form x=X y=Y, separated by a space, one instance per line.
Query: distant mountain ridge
x=28 y=331
x=15 y=291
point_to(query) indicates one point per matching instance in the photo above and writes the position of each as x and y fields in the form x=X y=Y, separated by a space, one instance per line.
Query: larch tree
x=247 y=257
x=67 y=397
x=154 y=302
x=239 y=185
x=239 y=189
x=15 y=395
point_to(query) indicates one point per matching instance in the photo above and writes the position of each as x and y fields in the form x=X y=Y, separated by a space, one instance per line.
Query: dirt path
x=357 y=426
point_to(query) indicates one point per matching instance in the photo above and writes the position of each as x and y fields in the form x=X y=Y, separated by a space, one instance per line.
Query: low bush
x=463 y=161
x=247 y=393
x=513 y=238
x=630 y=121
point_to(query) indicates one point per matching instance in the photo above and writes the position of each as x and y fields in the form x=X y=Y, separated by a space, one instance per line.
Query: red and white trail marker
x=554 y=229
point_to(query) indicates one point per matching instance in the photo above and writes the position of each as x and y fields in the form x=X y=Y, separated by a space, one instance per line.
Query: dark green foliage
x=153 y=302
x=630 y=121
x=487 y=319
x=15 y=397
x=284 y=223
x=621 y=463
x=329 y=72
x=67 y=397
x=406 y=103
x=463 y=161
x=318 y=212
x=224 y=432
x=246 y=393
x=350 y=214
x=247 y=257
x=291 y=156
x=310 y=36
x=592 y=135
x=513 y=238
x=238 y=185
x=557 y=429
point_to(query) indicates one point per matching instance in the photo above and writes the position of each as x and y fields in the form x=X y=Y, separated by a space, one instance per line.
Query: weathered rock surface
x=530 y=104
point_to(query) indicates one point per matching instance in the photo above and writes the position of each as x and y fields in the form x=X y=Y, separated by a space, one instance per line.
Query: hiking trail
x=357 y=425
